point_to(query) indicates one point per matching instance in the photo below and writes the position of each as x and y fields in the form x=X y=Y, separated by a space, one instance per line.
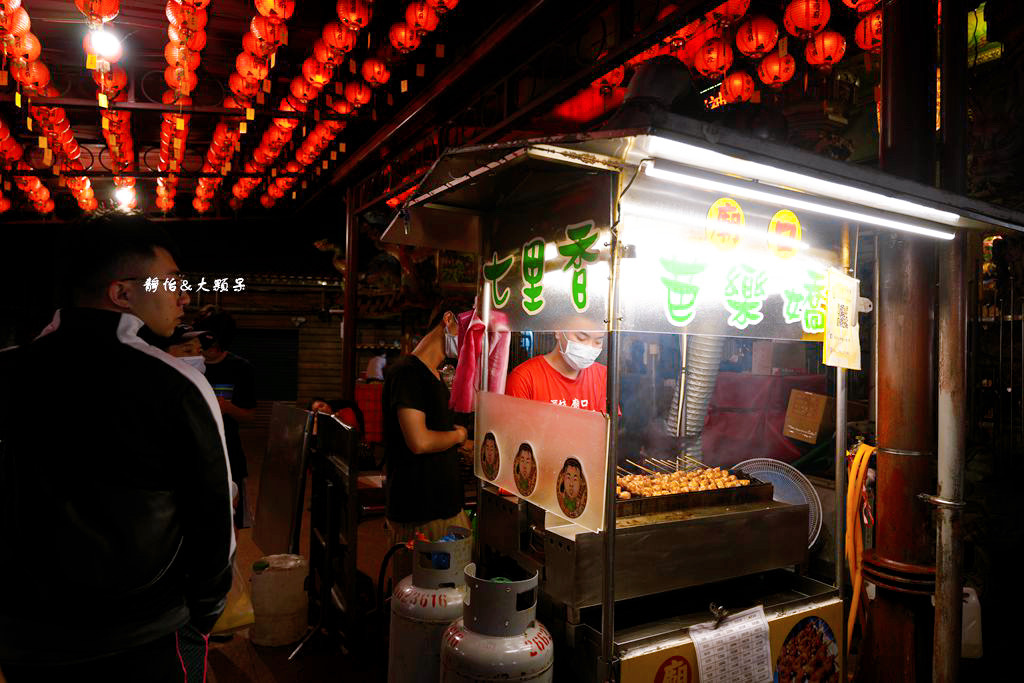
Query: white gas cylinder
x=424 y=604
x=498 y=637
x=279 y=600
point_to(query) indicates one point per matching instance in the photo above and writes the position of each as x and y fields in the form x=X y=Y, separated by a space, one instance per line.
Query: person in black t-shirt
x=423 y=488
x=234 y=383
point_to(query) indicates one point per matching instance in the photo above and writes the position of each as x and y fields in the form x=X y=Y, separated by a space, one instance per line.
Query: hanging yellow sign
x=723 y=213
x=842 y=331
x=784 y=233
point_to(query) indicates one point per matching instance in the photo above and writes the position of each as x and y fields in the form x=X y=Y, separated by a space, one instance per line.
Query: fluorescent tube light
x=692 y=155
x=788 y=201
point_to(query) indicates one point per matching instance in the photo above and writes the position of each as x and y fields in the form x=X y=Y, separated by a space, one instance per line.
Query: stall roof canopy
x=466 y=184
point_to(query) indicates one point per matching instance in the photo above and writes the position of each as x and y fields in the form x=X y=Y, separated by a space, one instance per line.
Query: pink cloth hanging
x=467 y=372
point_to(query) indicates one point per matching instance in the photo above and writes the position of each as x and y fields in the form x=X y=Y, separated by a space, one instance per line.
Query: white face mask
x=577 y=355
x=198 y=362
x=451 y=345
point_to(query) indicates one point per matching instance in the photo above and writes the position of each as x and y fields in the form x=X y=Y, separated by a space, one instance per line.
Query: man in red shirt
x=567 y=375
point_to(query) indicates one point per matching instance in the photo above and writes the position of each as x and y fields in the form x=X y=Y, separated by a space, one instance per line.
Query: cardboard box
x=809 y=417
x=774 y=358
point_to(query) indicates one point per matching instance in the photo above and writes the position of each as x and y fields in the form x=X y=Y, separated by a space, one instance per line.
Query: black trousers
x=175 y=658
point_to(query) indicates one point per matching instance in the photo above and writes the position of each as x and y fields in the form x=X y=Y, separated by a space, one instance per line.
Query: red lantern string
x=757 y=36
x=825 y=50
x=804 y=18
x=775 y=70
x=737 y=86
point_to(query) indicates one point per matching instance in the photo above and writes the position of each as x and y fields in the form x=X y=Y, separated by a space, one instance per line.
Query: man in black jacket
x=115 y=510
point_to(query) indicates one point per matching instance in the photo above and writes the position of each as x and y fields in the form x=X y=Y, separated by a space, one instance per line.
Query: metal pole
x=875 y=289
x=607 y=661
x=952 y=438
x=840 y=464
x=348 y=345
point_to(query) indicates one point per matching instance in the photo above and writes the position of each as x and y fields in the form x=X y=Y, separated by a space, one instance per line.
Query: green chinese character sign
x=745 y=295
x=533 y=276
x=581 y=238
x=681 y=290
x=493 y=272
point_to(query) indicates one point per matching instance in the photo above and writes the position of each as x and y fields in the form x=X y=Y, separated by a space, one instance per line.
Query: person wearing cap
x=234 y=382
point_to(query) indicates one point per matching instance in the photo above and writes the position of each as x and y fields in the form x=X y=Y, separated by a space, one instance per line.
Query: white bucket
x=279 y=599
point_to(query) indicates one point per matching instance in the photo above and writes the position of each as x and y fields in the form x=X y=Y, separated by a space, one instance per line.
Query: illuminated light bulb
x=125 y=197
x=106 y=44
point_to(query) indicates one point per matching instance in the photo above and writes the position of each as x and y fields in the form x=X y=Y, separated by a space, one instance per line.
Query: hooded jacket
x=115 y=500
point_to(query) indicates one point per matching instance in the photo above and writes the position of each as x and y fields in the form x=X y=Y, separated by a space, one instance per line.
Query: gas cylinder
x=424 y=604
x=498 y=637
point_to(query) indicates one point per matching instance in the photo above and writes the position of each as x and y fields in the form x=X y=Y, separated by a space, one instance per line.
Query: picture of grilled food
x=809 y=654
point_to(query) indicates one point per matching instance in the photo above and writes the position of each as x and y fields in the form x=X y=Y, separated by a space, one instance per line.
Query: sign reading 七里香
x=842 y=329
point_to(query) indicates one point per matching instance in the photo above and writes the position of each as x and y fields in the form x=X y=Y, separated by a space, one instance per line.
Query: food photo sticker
x=571 y=489
x=524 y=470
x=490 y=459
x=810 y=653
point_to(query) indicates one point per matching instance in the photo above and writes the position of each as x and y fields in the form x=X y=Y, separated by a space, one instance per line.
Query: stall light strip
x=692 y=155
x=790 y=202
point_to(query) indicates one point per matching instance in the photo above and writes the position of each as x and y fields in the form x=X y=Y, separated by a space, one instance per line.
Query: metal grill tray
x=790 y=487
x=756 y=491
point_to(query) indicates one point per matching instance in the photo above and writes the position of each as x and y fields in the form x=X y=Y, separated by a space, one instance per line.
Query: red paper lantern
x=40 y=194
x=181 y=80
x=342 y=106
x=15 y=23
x=197 y=4
x=99 y=10
x=243 y=88
x=178 y=54
x=804 y=18
x=274 y=191
x=403 y=37
x=5 y=204
x=355 y=14
x=267 y=31
x=46 y=207
x=256 y=47
x=112 y=82
x=757 y=36
x=276 y=10
x=861 y=6
x=267 y=201
x=165 y=204
x=443 y=6
x=774 y=71
x=194 y=40
x=326 y=55
x=706 y=33
x=737 y=87
x=825 y=49
x=375 y=72
x=251 y=68
x=200 y=205
x=90 y=204
x=358 y=93
x=729 y=11
x=339 y=37
x=303 y=90
x=9 y=6
x=421 y=18
x=713 y=58
x=31 y=75
x=25 y=47
x=185 y=17
x=11 y=150
x=317 y=73
x=868 y=35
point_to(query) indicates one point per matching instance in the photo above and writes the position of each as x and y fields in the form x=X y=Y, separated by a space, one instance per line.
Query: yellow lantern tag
x=17 y=99
x=273 y=59
x=273 y=173
x=48 y=157
x=3 y=77
x=179 y=123
x=259 y=98
x=439 y=51
x=421 y=70
x=325 y=164
x=334 y=155
x=266 y=86
x=242 y=128
x=103 y=100
x=341 y=147
x=250 y=114
x=42 y=142
x=90 y=62
x=403 y=85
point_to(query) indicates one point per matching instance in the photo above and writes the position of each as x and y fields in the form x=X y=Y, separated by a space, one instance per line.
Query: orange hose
x=854 y=533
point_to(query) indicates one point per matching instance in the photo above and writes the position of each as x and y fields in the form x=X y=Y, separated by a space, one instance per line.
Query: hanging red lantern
x=112 y=82
x=194 y=40
x=355 y=14
x=181 y=80
x=24 y=48
x=403 y=37
x=861 y=6
x=32 y=75
x=774 y=71
x=5 y=204
x=868 y=35
x=243 y=88
x=737 y=86
x=276 y=10
x=303 y=90
x=268 y=32
x=99 y=10
x=178 y=54
x=267 y=201
x=689 y=52
x=40 y=194
x=358 y=93
x=375 y=72
x=804 y=18
x=339 y=37
x=317 y=73
x=713 y=58
x=165 y=204
x=46 y=207
x=256 y=47
x=251 y=68
x=7 y=6
x=186 y=17
x=197 y=4
x=728 y=12
x=442 y=7
x=200 y=205
x=421 y=18
x=15 y=23
x=342 y=106
x=274 y=191
x=825 y=50
x=757 y=36
x=11 y=150
x=325 y=55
